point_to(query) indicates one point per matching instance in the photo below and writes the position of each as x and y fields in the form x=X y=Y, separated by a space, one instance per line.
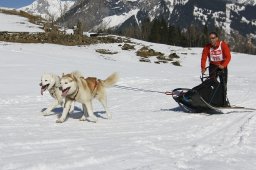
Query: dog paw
x=83 y=118
x=59 y=121
x=95 y=120
x=45 y=113
x=109 y=117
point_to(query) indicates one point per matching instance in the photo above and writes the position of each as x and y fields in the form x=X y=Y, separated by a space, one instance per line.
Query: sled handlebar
x=217 y=71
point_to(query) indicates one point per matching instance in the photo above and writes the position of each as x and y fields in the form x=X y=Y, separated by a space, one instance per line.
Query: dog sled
x=208 y=97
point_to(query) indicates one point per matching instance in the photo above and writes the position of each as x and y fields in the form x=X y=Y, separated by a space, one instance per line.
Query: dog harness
x=92 y=84
x=74 y=97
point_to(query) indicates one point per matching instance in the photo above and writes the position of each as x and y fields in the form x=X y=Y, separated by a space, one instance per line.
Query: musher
x=218 y=54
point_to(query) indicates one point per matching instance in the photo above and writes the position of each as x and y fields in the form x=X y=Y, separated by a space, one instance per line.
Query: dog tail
x=111 y=80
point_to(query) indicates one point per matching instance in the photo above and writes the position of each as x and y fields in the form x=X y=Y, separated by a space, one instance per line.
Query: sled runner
x=208 y=97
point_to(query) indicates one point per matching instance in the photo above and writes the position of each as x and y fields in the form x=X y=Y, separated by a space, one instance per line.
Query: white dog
x=84 y=90
x=51 y=83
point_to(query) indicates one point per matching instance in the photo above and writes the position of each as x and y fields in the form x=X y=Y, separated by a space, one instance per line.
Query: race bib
x=216 y=54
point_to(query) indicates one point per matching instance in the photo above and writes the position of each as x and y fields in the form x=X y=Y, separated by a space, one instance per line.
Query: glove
x=203 y=70
x=221 y=67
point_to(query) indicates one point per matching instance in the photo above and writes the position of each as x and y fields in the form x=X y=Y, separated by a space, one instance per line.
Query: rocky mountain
x=104 y=14
x=249 y=2
x=235 y=17
x=224 y=14
x=49 y=9
x=231 y=15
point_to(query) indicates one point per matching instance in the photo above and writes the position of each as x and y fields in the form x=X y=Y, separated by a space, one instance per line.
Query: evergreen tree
x=154 y=35
x=163 y=32
x=204 y=36
x=145 y=29
x=79 y=28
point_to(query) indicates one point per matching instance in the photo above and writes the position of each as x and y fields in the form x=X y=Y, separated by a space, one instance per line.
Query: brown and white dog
x=51 y=82
x=84 y=90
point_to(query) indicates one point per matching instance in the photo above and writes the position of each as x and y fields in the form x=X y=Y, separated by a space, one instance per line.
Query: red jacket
x=225 y=52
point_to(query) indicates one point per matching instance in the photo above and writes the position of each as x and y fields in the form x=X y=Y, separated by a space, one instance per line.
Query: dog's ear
x=63 y=74
x=73 y=76
x=57 y=80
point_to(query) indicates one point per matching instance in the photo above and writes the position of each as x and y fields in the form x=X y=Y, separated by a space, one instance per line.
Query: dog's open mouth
x=65 y=91
x=43 y=88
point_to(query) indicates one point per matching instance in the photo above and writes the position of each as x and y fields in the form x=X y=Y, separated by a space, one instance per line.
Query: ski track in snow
x=148 y=130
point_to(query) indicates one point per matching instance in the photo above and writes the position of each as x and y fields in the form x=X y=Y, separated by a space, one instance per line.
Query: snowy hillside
x=251 y=2
x=49 y=9
x=14 y=23
x=148 y=131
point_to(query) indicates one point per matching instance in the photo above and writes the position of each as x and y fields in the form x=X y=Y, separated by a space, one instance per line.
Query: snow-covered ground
x=147 y=132
x=15 y=23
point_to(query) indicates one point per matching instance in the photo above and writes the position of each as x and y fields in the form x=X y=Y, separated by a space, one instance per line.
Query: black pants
x=215 y=72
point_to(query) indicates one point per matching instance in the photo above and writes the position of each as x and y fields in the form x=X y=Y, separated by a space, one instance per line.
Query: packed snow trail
x=147 y=131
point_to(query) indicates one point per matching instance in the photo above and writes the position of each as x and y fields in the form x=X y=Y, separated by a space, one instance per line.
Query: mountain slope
x=232 y=16
x=15 y=23
x=49 y=9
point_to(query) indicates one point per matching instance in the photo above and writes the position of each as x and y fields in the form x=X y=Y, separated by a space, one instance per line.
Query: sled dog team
x=73 y=87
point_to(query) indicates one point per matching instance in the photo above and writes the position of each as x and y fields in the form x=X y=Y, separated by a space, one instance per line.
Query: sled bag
x=212 y=92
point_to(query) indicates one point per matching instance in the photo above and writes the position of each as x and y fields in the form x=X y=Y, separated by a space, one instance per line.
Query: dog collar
x=73 y=98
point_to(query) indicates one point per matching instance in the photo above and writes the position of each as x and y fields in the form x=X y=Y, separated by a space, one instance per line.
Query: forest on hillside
x=193 y=36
